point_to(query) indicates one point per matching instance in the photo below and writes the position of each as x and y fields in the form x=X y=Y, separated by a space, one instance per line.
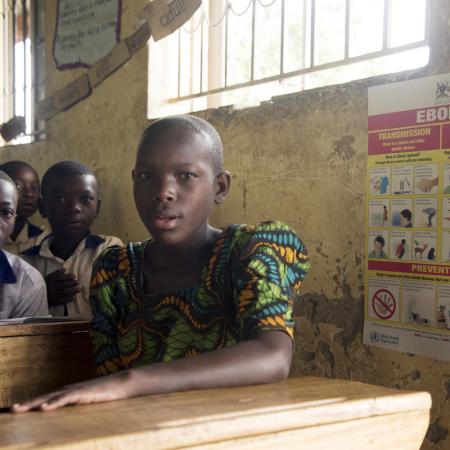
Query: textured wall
x=300 y=158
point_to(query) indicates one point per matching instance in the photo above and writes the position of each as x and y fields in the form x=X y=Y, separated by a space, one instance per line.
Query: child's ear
x=41 y=207
x=99 y=203
x=223 y=181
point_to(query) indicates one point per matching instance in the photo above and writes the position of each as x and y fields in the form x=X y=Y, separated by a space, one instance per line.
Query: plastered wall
x=300 y=158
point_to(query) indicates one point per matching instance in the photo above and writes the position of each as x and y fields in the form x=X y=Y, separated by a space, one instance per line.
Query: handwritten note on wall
x=86 y=31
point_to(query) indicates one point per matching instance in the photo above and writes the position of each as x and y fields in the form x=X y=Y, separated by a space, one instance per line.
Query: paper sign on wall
x=164 y=16
x=407 y=292
x=86 y=31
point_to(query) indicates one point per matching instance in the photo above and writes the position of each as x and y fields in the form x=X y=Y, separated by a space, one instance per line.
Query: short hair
x=406 y=213
x=379 y=239
x=191 y=124
x=11 y=167
x=64 y=168
x=4 y=176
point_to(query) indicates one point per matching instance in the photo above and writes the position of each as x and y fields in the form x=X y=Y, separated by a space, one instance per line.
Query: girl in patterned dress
x=194 y=306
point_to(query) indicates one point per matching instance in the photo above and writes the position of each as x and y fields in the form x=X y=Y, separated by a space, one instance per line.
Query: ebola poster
x=407 y=277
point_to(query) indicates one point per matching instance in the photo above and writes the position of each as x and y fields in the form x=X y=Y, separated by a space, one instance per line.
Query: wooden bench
x=38 y=358
x=301 y=413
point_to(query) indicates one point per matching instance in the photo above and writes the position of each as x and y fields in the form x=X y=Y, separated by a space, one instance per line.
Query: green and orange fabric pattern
x=248 y=286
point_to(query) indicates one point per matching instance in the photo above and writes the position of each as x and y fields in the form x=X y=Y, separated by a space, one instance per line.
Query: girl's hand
x=111 y=387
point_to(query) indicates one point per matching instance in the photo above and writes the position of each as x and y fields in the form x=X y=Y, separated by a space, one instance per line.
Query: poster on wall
x=407 y=279
x=86 y=31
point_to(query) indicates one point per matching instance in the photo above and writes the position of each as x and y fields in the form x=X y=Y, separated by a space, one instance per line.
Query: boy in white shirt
x=70 y=201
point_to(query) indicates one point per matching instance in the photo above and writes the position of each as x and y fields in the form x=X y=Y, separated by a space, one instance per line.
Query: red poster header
x=414 y=268
x=423 y=116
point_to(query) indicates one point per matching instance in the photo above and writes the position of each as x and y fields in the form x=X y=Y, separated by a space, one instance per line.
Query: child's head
x=8 y=205
x=403 y=241
x=378 y=243
x=27 y=182
x=70 y=198
x=178 y=178
x=405 y=217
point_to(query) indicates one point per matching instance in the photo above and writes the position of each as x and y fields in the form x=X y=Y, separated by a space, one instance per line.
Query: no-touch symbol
x=383 y=304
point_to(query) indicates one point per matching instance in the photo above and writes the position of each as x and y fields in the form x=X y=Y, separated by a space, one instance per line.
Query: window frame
x=217 y=68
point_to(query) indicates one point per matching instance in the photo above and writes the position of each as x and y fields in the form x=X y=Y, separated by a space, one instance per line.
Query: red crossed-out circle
x=384 y=304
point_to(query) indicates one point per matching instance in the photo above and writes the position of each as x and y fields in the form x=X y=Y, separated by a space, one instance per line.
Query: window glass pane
x=239 y=41
x=190 y=55
x=216 y=45
x=366 y=26
x=329 y=34
x=297 y=31
x=22 y=68
x=267 y=39
x=407 y=22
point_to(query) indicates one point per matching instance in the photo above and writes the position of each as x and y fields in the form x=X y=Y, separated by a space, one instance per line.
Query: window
x=22 y=63
x=243 y=51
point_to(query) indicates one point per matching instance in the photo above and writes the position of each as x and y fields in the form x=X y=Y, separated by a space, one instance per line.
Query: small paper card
x=166 y=16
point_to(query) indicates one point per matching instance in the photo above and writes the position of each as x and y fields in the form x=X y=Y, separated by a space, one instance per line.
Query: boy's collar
x=91 y=241
x=34 y=230
x=7 y=275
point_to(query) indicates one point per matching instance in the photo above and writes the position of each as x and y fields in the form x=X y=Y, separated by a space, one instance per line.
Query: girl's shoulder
x=270 y=232
x=120 y=258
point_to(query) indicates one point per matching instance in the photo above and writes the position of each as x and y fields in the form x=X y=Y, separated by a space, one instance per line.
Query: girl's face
x=176 y=187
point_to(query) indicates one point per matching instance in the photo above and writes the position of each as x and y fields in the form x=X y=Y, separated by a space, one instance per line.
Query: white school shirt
x=79 y=263
x=29 y=236
x=22 y=289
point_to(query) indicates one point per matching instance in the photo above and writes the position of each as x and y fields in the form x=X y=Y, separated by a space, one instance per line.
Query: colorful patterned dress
x=248 y=286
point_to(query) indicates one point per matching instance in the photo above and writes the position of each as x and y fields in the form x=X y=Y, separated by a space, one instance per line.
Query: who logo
x=374 y=337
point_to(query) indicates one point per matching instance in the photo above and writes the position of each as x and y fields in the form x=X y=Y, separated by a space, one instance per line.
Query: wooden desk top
x=311 y=411
x=37 y=329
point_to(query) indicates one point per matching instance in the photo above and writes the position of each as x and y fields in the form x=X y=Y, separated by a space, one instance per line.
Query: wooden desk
x=38 y=358
x=307 y=413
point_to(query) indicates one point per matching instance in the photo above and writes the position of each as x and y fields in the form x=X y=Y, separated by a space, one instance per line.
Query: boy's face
x=8 y=205
x=27 y=183
x=176 y=186
x=71 y=204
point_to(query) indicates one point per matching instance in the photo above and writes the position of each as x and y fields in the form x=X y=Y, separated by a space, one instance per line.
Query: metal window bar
x=313 y=32
x=13 y=84
x=201 y=47
x=427 y=20
x=312 y=67
x=252 y=60
x=347 y=28
x=282 y=37
x=24 y=54
x=386 y=24
x=226 y=45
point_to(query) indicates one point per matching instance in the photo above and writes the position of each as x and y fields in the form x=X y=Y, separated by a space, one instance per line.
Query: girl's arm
x=265 y=358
